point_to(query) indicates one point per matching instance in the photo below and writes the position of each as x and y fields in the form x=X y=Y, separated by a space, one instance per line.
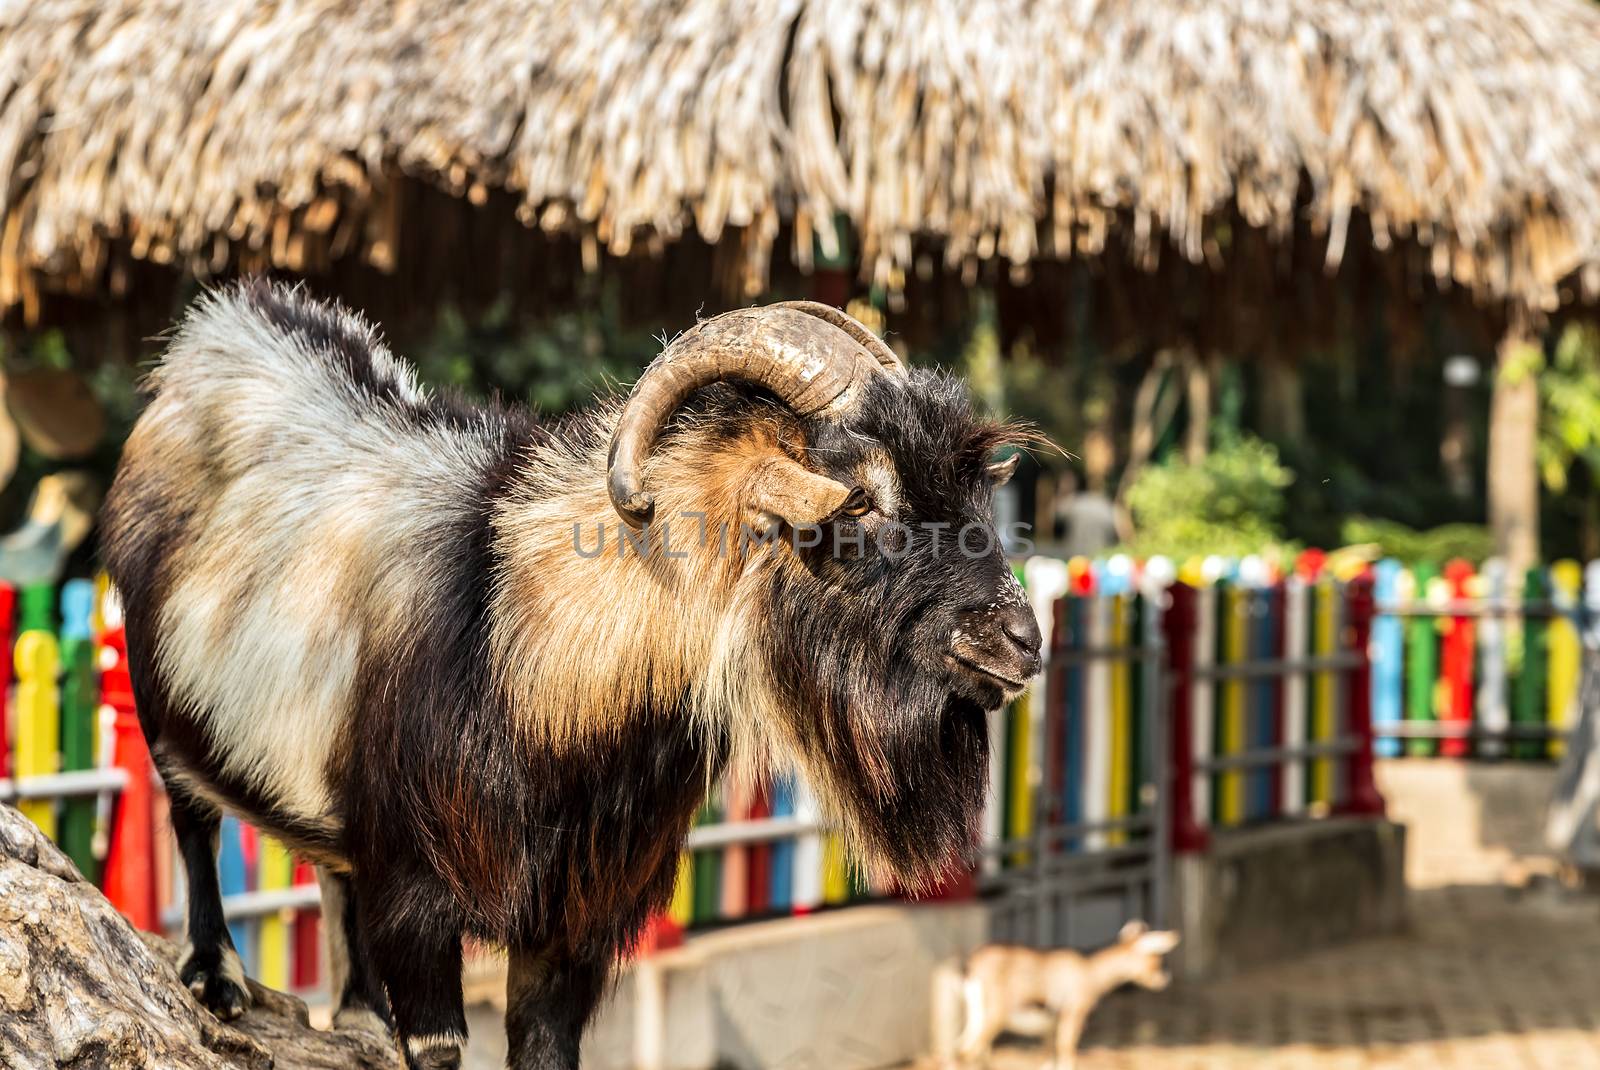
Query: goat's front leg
x=548 y=1002
x=420 y=966
x=1069 y=1027
x=210 y=967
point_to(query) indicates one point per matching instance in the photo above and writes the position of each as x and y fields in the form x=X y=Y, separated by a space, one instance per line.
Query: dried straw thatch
x=218 y=134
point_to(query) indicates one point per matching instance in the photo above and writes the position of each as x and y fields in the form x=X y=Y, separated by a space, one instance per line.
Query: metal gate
x=1085 y=759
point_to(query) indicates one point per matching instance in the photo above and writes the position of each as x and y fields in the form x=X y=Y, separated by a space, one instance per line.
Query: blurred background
x=1306 y=293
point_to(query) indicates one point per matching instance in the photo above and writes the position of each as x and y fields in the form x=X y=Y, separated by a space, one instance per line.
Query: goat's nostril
x=1020 y=626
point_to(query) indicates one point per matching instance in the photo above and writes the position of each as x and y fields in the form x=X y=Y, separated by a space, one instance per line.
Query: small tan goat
x=1015 y=987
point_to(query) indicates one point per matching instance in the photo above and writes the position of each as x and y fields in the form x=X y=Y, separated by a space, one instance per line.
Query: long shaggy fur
x=373 y=620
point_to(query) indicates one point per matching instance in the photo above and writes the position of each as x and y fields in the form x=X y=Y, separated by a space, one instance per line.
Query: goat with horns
x=409 y=635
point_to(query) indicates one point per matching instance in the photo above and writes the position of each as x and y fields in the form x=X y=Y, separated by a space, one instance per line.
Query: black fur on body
x=461 y=778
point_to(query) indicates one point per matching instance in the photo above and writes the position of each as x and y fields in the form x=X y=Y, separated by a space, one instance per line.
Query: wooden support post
x=8 y=632
x=1283 y=419
x=1422 y=658
x=130 y=883
x=1565 y=662
x=79 y=711
x=1197 y=438
x=307 y=944
x=1513 y=449
x=1528 y=702
x=1388 y=656
x=1456 y=656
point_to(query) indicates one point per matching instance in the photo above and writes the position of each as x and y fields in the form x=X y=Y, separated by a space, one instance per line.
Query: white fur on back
x=319 y=518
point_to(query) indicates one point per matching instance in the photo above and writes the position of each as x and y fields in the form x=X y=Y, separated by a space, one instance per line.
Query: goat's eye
x=857 y=504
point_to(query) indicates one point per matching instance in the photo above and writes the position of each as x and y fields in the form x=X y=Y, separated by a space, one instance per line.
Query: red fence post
x=129 y=881
x=8 y=639
x=1459 y=646
x=1362 y=797
x=306 y=939
x=660 y=934
x=1177 y=627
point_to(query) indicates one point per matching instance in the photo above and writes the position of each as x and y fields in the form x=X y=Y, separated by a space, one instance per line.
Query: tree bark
x=79 y=987
x=1044 y=506
x=1197 y=437
x=1099 y=446
x=1513 y=451
x=1283 y=413
x=1152 y=408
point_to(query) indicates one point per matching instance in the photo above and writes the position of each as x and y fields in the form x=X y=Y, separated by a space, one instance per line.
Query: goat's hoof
x=215 y=977
x=440 y=1052
x=437 y=1059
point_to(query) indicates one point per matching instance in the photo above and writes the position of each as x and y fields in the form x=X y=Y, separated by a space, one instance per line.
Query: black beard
x=904 y=769
x=929 y=822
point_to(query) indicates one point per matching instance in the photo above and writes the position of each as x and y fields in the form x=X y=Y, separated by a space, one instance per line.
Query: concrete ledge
x=1471 y=822
x=1260 y=895
x=845 y=990
x=851 y=989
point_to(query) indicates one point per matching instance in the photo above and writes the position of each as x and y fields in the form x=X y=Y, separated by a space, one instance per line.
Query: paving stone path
x=1485 y=978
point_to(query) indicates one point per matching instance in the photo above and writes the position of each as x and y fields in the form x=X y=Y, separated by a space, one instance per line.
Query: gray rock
x=79 y=987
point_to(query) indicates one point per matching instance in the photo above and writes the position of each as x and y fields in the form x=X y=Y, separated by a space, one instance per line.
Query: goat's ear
x=1001 y=471
x=1132 y=931
x=782 y=489
x=1156 y=943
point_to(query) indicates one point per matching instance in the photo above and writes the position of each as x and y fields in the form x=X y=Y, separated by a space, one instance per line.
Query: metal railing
x=1095 y=850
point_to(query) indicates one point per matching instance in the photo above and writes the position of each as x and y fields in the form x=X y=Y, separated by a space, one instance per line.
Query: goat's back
x=1011 y=977
x=288 y=495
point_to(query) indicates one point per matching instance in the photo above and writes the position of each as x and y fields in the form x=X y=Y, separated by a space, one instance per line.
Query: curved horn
x=886 y=357
x=811 y=361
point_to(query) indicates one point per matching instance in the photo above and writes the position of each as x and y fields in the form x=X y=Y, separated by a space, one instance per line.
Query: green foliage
x=1230 y=503
x=1569 y=396
x=1470 y=541
x=556 y=365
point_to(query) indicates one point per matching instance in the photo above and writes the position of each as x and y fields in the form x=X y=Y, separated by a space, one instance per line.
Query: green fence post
x=1528 y=702
x=1422 y=661
x=79 y=699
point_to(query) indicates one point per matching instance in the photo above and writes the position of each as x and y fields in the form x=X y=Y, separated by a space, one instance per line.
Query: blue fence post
x=1388 y=659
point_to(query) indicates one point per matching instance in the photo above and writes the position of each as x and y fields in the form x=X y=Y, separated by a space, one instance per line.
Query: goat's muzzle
x=999 y=645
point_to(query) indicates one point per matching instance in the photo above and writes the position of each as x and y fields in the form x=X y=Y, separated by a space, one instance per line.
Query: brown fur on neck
x=655 y=624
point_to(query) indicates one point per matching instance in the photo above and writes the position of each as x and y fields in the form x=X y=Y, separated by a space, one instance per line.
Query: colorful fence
x=74 y=760
x=1271 y=696
x=1260 y=672
x=1477 y=662
x=1074 y=804
x=1224 y=695
x=758 y=853
x=71 y=743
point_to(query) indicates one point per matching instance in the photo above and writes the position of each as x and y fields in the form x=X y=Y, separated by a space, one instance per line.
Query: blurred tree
x=1230 y=503
x=1569 y=426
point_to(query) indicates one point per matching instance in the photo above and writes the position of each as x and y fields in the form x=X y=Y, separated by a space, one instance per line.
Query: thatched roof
x=217 y=134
